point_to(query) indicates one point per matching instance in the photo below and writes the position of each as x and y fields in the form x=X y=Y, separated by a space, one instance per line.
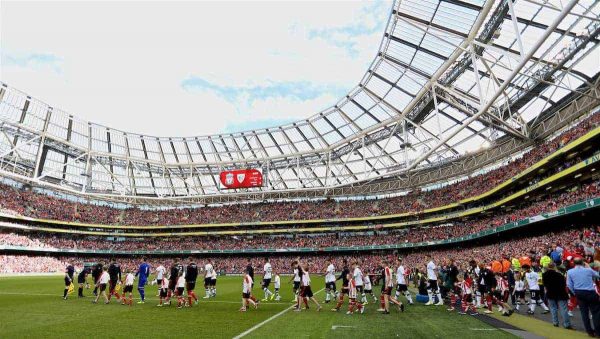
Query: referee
x=580 y=281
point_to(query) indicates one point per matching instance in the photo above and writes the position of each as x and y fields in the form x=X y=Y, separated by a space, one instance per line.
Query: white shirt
x=532 y=281
x=519 y=285
x=160 y=272
x=181 y=281
x=296 y=275
x=129 y=279
x=358 y=276
x=330 y=274
x=213 y=276
x=305 y=279
x=247 y=285
x=400 y=272
x=267 y=269
x=431 y=271
x=367 y=283
x=104 y=278
x=208 y=268
x=277 y=282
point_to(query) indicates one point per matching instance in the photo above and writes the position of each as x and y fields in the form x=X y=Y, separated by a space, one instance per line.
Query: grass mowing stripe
x=259 y=325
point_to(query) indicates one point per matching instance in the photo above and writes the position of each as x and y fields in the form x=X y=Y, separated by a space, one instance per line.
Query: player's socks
x=382 y=301
x=207 y=293
x=80 y=292
x=194 y=295
x=408 y=297
x=478 y=297
x=327 y=297
x=541 y=303
x=65 y=293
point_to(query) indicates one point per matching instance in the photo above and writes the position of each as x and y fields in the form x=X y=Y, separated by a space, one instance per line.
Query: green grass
x=33 y=307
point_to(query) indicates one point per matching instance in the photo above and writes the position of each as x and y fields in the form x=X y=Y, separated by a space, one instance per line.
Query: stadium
x=452 y=191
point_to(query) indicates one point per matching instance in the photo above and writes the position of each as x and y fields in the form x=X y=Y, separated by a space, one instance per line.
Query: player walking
x=330 y=288
x=531 y=280
x=208 y=271
x=352 y=296
x=129 y=278
x=296 y=280
x=305 y=289
x=81 y=280
x=247 y=292
x=160 y=275
x=277 y=286
x=386 y=290
x=191 y=274
x=268 y=270
x=213 y=283
x=143 y=272
x=163 y=291
x=114 y=271
x=103 y=280
x=401 y=285
x=357 y=275
x=68 y=281
x=345 y=277
x=433 y=283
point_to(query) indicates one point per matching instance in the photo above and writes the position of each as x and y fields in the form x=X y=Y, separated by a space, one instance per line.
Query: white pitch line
x=259 y=325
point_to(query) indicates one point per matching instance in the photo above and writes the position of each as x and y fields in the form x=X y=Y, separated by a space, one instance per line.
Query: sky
x=189 y=68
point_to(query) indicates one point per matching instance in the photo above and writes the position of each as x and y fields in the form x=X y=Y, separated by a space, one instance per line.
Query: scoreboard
x=245 y=178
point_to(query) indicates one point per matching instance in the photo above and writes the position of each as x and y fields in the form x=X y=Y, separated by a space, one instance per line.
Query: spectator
x=556 y=293
x=580 y=281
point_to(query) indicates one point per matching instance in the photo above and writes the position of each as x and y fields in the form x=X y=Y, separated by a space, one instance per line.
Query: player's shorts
x=306 y=292
x=266 y=283
x=158 y=282
x=467 y=298
x=207 y=281
x=359 y=289
x=81 y=280
x=401 y=287
x=330 y=285
x=482 y=289
x=180 y=291
x=128 y=289
x=433 y=285
x=345 y=290
x=368 y=291
x=213 y=282
x=246 y=295
x=520 y=294
x=352 y=294
x=102 y=287
x=386 y=290
x=497 y=294
x=296 y=285
x=163 y=293
x=535 y=295
x=190 y=285
x=172 y=284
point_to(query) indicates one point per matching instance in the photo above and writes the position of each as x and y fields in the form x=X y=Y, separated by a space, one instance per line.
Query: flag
x=71 y=288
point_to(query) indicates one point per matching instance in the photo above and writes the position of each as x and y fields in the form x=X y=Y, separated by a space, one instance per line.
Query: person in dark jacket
x=556 y=294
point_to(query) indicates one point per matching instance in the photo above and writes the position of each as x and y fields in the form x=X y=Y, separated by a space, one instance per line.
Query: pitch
x=33 y=307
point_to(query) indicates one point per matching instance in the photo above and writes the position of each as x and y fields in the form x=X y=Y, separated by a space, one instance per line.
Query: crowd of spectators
x=545 y=204
x=584 y=242
x=38 y=205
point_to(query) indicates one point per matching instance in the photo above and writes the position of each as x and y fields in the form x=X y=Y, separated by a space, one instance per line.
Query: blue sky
x=189 y=68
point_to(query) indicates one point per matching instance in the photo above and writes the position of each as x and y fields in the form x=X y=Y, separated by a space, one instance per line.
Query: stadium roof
x=451 y=78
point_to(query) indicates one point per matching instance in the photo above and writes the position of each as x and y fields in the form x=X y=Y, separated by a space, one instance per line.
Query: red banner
x=241 y=178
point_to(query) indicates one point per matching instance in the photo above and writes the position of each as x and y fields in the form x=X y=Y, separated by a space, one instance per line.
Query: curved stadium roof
x=453 y=81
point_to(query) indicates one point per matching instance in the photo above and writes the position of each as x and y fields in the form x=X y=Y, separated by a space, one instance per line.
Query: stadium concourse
x=453 y=192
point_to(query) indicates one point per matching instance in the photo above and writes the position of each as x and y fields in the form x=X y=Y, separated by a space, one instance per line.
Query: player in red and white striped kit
x=386 y=290
x=163 y=291
x=465 y=292
x=500 y=294
x=352 y=295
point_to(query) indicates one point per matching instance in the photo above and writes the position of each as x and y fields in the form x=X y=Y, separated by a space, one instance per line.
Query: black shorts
x=306 y=292
x=102 y=287
x=330 y=285
x=386 y=290
x=433 y=285
x=535 y=294
x=369 y=291
x=81 y=280
x=180 y=291
x=190 y=285
x=158 y=282
x=163 y=292
x=520 y=294
x=345 y=290
x=296 y=285
x=401 y=288
x=207 y=281
x=246 y=295
x=128 y=289
x=482 y=289
x=172 y=284
x=359 y=289
x=266 y=283
x=67 y=282
x=213 y=282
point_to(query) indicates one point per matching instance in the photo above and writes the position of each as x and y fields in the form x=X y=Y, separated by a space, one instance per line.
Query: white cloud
x=122 y=63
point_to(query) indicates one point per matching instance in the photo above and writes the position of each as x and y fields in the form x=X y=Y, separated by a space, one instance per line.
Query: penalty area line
x=273 y=317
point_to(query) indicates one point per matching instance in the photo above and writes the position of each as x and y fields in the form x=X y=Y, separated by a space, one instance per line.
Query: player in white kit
x=432 y=280
x=267 y=275
x=208 y=272
x=401 y=283
x=357 y=275
x=330 y=288
x=128 y=289
x=160 y=275
x=531 y=280
x=277 y=286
